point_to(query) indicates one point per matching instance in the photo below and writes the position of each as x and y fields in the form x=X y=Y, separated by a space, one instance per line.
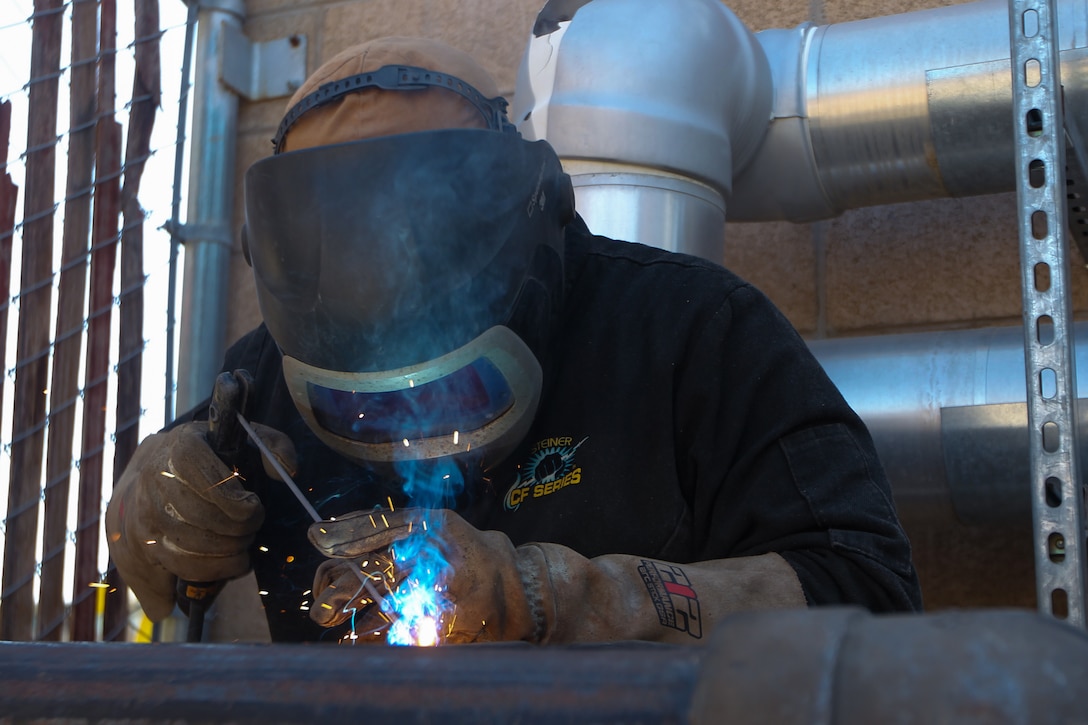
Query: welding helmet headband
x=413 y=284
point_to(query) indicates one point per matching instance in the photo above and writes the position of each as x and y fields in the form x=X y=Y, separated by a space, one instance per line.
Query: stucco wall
x=944 y=264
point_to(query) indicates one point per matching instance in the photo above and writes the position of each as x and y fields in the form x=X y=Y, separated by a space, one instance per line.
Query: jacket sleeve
x=776 y=462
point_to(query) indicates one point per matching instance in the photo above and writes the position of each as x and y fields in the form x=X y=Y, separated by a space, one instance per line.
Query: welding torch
x=226 y=437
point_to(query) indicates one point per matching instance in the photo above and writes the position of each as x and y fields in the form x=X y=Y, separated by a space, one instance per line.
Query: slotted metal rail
x=1056 y=487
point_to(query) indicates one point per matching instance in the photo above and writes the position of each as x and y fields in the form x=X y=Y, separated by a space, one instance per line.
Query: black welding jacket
x=682 y=419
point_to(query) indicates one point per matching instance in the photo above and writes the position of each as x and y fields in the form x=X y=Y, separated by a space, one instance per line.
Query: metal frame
x=1056 y=488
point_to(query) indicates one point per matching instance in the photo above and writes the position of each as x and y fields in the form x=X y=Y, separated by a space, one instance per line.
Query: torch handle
x=226 y=437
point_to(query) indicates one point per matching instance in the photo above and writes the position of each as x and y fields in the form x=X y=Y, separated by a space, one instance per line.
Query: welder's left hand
x=542 y=592
x=498 y=590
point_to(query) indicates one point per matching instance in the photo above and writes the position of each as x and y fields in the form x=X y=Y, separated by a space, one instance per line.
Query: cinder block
x=947 y=262
x=841 y=11
x=778 y=258
x=765 y=14
x=934 y=263
x=974 y=566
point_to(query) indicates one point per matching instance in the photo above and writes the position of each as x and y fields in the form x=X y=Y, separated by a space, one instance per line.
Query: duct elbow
x=641 y=97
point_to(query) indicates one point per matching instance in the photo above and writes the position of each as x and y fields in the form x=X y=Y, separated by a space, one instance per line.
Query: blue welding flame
x=420 y=608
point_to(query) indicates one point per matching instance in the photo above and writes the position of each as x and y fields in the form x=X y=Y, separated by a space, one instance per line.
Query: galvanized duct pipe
x=653 y=108
x=898 y=108
x=827 y=666
x=660 y=112
x=208 y=231
x=948 y=414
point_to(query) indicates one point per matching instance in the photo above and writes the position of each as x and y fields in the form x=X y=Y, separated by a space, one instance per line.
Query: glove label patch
x=551 y=468
x=675 y=600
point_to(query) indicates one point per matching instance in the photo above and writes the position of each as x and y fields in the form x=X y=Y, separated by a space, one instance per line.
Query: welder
x=610 y=441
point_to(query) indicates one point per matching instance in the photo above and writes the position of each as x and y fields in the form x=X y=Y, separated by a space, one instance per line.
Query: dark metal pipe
x=830 y=666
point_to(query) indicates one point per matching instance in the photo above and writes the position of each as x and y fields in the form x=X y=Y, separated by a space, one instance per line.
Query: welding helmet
x=413 y=282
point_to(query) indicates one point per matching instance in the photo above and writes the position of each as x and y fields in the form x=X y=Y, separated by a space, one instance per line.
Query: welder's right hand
x=179 y=511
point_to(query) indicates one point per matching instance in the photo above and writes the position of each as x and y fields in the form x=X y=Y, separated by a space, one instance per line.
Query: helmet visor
x=468 y=398
x=484 y=394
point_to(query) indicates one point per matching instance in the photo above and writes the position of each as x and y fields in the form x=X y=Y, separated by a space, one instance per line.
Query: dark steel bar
x=35 y=315
x=100 y=307
x=827 y=666
x=291 y=683
x=68 y=339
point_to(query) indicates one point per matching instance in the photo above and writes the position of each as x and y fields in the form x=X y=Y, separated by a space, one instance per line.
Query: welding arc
x=286 y=478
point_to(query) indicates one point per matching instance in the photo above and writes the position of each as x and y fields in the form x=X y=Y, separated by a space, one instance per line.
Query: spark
x=115 y=536
x=361 y=416
x=385 y=521
x=99 y=585
x=372 y=521
x=307 y=592
x=326 y=605
x=151 y=541
x=411 y=383
x=263 y=548
x=390 y=500
x=409 y=527
x=233 y=474
x=456 y=435
x=424 y=525
x=263 y=592
x=406 y=443
x=322 y=530
x=167 y=474
x=290 y=558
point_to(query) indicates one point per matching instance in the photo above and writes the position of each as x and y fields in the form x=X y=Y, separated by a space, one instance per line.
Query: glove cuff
x=532 y=567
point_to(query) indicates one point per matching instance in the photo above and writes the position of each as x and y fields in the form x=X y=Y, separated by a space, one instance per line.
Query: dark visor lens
x=464 y=400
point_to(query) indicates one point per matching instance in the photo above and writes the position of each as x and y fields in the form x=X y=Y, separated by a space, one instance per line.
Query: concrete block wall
x=943 y=264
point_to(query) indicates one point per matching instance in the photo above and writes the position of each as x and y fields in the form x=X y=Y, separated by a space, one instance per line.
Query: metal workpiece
x=832 y=666
x=947 y=412
x=892 y=109
x=652 y=106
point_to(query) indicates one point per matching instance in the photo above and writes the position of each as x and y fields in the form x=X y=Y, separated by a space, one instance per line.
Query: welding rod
x=286 y=477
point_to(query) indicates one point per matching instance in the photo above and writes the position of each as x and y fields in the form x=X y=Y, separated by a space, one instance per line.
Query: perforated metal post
x=1057 y=491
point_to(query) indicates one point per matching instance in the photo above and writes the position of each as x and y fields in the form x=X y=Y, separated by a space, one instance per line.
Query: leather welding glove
x=179 y=511
x=543 y=593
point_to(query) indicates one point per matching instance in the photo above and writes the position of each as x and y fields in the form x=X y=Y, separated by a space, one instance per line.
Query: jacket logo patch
x=551 y=467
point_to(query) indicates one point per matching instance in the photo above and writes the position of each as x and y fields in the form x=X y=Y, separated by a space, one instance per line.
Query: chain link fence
x=89 y=152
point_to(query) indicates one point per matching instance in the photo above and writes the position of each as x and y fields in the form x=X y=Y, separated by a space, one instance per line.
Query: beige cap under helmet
x=373 y=112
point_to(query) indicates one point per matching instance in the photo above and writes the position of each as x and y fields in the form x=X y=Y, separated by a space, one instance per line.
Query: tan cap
x=374 y=112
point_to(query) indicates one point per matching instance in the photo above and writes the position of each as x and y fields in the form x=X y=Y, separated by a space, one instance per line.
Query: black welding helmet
x=412 y=283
